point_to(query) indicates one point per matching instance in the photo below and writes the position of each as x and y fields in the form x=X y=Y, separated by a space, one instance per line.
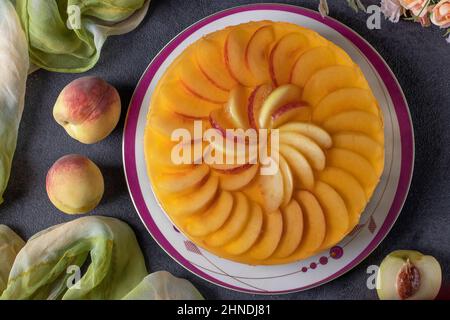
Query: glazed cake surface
x=330 y=156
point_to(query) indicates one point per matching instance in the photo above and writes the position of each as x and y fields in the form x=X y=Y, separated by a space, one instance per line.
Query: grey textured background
x=420 y=58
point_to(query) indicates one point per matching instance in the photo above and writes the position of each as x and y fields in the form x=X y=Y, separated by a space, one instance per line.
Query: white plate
x=377 y=219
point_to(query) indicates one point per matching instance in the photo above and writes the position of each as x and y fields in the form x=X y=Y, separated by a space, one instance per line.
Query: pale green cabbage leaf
x=56 y=45
x=106 y=247
x=10 y=245
x=14 y=66
x=103 y=250
x=162 y=285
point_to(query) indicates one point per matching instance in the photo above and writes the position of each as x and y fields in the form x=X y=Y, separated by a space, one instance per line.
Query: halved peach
x=234 y=224
x=356 y=165
x=211 y=220
x=314 y=224
x=288 y=181
x=307 y=147
x=255 y=102
x=320 y=136
x=357 y=121
x=270 y=236
x=296 y=111
x=345 y=99
x=299 y=165
x=250 y=234
x=258 y=51
x=350 y=190
x=281 y=96
x=197 y=200
x=363 y=145
x=292 y=229
x=183 y=180
x=310 y=62
x=336 y=214
x=234 y=52
x=330 y=79
x=409 y=275
x=210 y=59
x=284 y=55
x=236 y=181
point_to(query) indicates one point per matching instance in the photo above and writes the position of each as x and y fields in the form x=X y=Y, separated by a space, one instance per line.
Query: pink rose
x=440 y=14
x=391 y=9
x=417 y=7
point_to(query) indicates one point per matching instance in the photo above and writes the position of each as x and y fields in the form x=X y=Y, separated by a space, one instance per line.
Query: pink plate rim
x=389 y=79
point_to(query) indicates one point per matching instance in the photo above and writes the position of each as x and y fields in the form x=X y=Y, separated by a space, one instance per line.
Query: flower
x=440 y=14
x=323 y=8
x=417 y=7
x=425 y=21
x=391 y=9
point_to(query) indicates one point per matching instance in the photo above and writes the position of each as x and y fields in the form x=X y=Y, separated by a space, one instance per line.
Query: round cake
x=323 y=131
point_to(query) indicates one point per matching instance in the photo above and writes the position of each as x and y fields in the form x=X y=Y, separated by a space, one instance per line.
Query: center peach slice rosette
x=275 y=76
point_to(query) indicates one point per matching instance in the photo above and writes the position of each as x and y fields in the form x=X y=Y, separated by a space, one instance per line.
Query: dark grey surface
x=419 y=58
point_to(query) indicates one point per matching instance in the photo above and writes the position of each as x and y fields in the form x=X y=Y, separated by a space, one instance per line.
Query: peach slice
x=284 y=55
x=292 y=230
x=357 y=121
x=258 y=51
x=183 y=180
x=193 y=79
x=211 y=62
x=234 y=52
x=335 y=211
x=235 y=223
x=237 y=107
x=356 y=165
x=330 y=79
x=271 y=190
x=255 y=102
x=269 y=237
x=299 y=165
x=314 y=224
x=197 y=200
x=409 y=275
x=345 y=100
x=310 y=62
x=297 y=111
x=306 y=146
x=342 y=58
x=233 y=182
x=350 y=190
x=220 y=120
x=320 y=136
x=363 y=145
x=250 y=234
x=181 y=101
x=166 y=122
x=212 y=219
x=281 y=96
x=288 y=181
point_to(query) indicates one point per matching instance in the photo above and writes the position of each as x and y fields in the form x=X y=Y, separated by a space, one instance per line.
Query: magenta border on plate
x=395 y=92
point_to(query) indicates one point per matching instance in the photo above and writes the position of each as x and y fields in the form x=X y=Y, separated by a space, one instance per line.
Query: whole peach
x=74 y=184
x=88 y=109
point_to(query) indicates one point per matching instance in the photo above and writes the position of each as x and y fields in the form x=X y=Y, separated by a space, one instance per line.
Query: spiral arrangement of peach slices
x=331 y=153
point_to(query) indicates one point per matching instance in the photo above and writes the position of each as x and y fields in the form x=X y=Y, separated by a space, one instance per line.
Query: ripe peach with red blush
x=74 y=184
x=88 y=109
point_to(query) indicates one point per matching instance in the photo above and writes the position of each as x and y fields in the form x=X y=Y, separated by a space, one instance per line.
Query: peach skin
x=88 y=109
x=74 y=184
